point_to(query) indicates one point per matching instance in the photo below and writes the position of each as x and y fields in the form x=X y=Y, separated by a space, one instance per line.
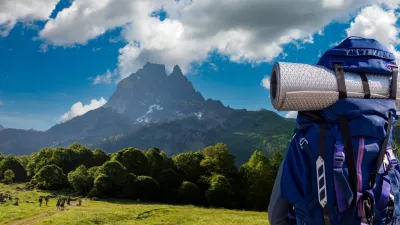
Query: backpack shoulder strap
x=321 y=179
x=320 y=162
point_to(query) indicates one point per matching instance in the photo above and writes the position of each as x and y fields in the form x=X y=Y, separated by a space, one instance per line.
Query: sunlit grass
x=118 y=212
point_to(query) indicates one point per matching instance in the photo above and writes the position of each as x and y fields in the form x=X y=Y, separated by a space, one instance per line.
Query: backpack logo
x=302 y=141
x=321 y=181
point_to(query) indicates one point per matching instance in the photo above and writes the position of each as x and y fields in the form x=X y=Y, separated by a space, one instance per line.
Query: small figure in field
x=79 y=202
x=58 y=203
x=62 y=203
x=69 y=201
x=47 y=200
x=40 y=201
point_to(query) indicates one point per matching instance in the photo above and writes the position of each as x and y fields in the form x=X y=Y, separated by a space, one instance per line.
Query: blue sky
x=43 y=74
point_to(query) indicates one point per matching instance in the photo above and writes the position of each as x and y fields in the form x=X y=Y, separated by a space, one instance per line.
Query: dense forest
x=207 y=177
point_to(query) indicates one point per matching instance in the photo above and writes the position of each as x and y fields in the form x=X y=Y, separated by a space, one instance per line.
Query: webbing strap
x=382 y=152
x=339 y=72
x=325 y=209
x=349 y=154
x=367 y=91
x=393 y=90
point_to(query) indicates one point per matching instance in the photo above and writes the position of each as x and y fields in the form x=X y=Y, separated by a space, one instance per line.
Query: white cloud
x=13 y=11
x=291 y=114
x=105 y=78
x=379 y=24
x=251 y=31
x=265 y=82
x=88 y=19
x=43 y=48
x=79 y=109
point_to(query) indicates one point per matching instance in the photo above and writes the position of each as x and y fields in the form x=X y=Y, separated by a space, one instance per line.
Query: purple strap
x=344 y=195
x=383 y=199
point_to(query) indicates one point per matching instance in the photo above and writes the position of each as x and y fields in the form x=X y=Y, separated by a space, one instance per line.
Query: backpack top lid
x=360 y=55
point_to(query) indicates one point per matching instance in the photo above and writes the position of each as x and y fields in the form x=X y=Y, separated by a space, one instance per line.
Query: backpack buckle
x=302 y=141
x=390 y=212
x=367 y=215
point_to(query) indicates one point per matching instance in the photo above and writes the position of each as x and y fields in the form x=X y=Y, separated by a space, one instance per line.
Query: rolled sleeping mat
x=304 y=87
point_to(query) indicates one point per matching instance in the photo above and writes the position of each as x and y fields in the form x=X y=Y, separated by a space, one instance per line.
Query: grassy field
x=115 y=212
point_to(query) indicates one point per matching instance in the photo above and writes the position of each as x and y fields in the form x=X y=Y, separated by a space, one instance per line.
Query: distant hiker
x=58 y=203
x=47 y=200
x=79 y=202
x=40 y=201
x=69 y=201
x=62 y=203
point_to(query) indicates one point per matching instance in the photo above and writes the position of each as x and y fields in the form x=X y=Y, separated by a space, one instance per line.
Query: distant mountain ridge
x=150 y=108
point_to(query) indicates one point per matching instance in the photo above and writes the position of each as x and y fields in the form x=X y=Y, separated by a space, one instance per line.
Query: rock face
x=150 y=96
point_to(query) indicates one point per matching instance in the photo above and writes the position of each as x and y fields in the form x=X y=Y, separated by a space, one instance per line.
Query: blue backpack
x=340 y=167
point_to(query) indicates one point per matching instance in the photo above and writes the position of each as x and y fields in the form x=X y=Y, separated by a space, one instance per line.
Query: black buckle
x=390 y=212
x=368 y=210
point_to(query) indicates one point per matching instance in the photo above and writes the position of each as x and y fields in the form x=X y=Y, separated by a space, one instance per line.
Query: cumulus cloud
x=251 y=31
x=291 y=114
x=265 y=82
x=79 y=109
x=105 y=78
x=377 y=23
x=13 y=11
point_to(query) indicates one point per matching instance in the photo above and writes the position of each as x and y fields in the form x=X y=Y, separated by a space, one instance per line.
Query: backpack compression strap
x=339 y=72
x=340 y=80
x=382 y=152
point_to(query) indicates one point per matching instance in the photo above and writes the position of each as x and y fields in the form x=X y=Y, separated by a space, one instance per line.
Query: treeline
x=207 y=177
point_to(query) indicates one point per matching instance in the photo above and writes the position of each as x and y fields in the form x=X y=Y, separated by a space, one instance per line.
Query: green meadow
x=113 y=212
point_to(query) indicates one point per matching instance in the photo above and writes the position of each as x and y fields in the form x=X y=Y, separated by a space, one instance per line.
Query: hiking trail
x=36 y=218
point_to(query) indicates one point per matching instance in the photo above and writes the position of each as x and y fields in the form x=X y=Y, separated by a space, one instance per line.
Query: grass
x=118 y=212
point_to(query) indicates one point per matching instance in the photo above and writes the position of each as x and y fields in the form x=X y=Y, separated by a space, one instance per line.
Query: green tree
x=9 y=176
x=39 y=160
x=11 y=162
x=50 y=177
x=103 y=186
x=99 y=157
x=219 y=193
x=156 y=161
x=134 y=160
x=218 y=160
x=24 y=159
x=169 y=181
x=188 y=164
x=81 y=180
x=258 y=181
x=114 y=169
x=113 y=180
x=189 y=193
x=147 y=188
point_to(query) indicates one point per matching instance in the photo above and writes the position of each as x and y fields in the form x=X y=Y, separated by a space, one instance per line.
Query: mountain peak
x=1 y=128
x=177 y=70
x=153 y=69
